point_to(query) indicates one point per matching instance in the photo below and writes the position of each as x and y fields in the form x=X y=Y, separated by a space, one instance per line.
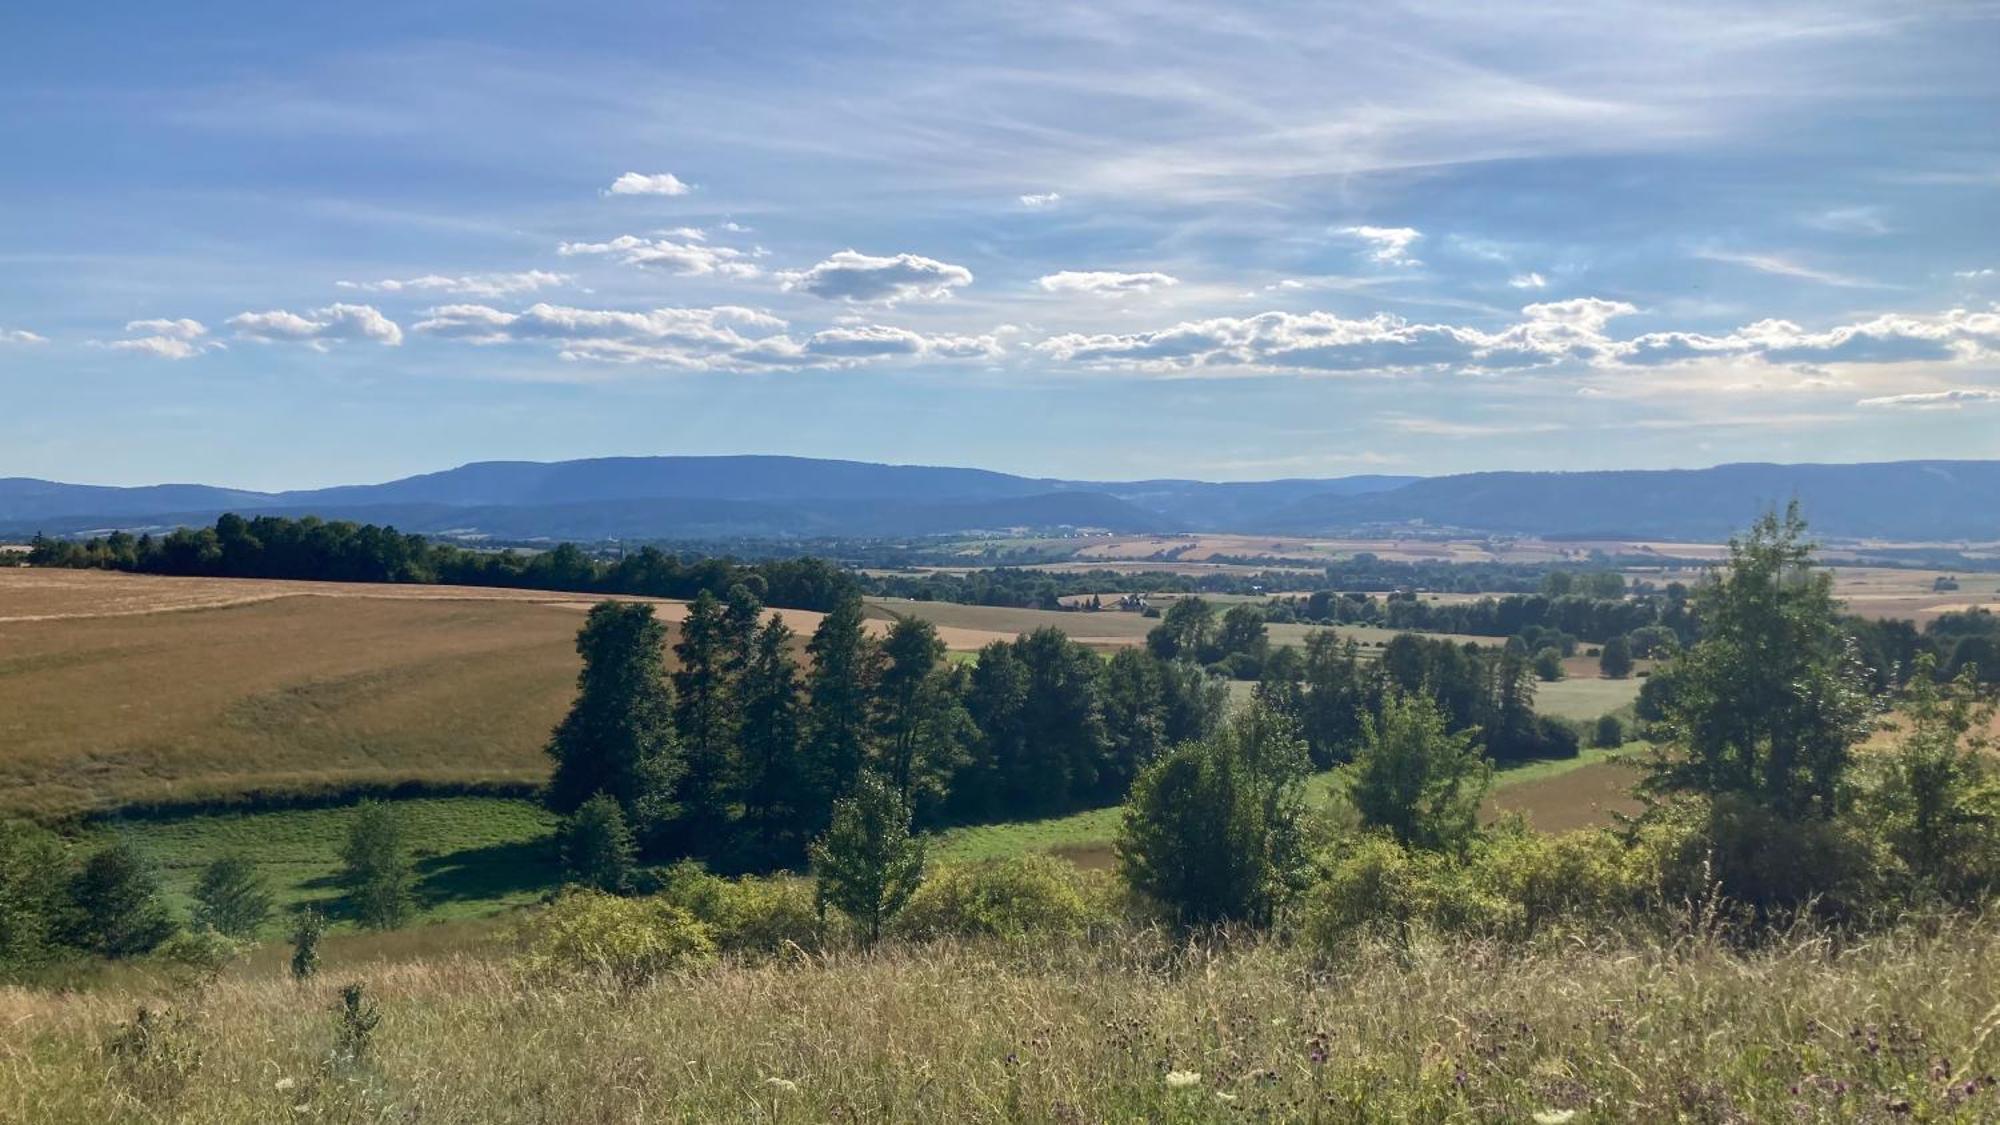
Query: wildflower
x=1225 y=1099
x=1554 y=1116
x=785 y=1084
x=1182 y=1079
x=286 y=1083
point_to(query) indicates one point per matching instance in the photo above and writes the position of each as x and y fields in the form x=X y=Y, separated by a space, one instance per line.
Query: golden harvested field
x=293 y=693
x=1884 y=592
x=118 y=689
x=967 y=627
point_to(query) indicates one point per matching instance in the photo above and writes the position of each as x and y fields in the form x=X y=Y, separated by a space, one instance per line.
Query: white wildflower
x=1554 y=1116
x=287 y=1083
x=1182 y=1079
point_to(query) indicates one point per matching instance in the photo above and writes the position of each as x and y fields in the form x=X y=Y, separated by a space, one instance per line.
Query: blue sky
x=290 y=245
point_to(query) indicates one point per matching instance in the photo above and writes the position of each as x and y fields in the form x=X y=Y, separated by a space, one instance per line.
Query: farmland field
x=1586 y=698
x=119 y=689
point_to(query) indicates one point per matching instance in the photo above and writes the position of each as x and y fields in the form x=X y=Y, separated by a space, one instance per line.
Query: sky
x=277 y=246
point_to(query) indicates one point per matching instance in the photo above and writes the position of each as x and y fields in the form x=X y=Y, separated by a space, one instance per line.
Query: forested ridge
x=339 y=551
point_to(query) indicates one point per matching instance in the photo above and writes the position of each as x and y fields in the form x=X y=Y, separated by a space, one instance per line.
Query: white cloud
x=723 y=338
x=1974 y=275
x=471 y=285
x=1892 y=338
x=689 y=257
x=1936 y=400
x=1529 y=280
x=1389 y=246
x=875 y=340
x=163 y=338
x=1573 y=331
x=319 y=327
x=181 y=329
x=1320 y=341
x=20 y=336
x=853 y=276
x=1041 y=199
x=640 y=183
x=1105 y=283
x=1781 y=266
x=163 y=347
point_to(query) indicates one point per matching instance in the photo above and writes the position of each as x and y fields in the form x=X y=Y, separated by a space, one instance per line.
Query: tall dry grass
x=1900 y=1026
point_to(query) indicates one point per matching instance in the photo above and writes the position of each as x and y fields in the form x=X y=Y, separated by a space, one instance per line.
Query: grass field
x=1897 y=1027
x=1586 y=698
x=474 y=855
x=1556 y=795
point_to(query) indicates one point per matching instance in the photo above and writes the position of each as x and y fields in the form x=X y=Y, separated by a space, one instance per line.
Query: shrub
x=1616 y=660
x=747 y=915
x=1556 y=737
x=33 y=896
x=625 y=940
x=597 y=844
x=1212 y=831
x=1938 y=801
x=1589 y=875
x=118 y=907
x=1416 y=778
x=1608 y=733
x=1376 y=886
x=306 y=934
x=1033 y=895
x=231 y=898
x=200 y=954
x=376 y=868
x=867 y=864
x=1767 y=862
x=1549 y=664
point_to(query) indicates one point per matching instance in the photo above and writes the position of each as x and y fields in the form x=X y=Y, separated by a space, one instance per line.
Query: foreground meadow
x=1900 y=1026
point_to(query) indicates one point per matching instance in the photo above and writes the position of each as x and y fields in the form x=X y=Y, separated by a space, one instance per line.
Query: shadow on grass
x=494 y=872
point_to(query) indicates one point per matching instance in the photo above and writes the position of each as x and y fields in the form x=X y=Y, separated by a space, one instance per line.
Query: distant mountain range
x=759 y=496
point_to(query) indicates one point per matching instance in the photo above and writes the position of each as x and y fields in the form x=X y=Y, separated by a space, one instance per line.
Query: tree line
x=341 y=551
x=739 y=752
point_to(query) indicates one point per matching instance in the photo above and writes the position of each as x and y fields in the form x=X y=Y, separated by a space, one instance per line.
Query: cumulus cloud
x=1320 y=341
x=1105 y=283
x=20 y=336
x=1041 y=199
x=1974 y=275
x=862 y=278
x=723 y=338
x=1389 y=246
x=640 y=183
x=1529 y=280
x=470 y=285
x=181 y=338
x=319 y=327
x=1573 y=331
x=687 y=253
x=1952 y=399
x=1891 y=338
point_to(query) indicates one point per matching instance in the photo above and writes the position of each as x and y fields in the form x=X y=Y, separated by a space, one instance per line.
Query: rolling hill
x=759 y=496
